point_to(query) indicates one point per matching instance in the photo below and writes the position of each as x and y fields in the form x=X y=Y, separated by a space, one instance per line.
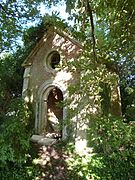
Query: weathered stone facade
x=46 y=82
x=41 y=77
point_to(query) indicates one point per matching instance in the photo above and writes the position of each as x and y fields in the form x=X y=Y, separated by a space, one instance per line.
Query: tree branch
x=3 y=9
x=84 y=19
x=89 y=10
x=9 y=15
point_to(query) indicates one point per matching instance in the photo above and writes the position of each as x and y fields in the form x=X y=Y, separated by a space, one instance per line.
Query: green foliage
x=14 y=137
x=113 y=140
x=11 y=78
x=10 y=81
x=105 y=98
x=112 y=151
x=128 y=90
x=128 y=102
x=21 y=172
x=33 y=34
x=55 y=21
x=14 y=17
x=92 y=94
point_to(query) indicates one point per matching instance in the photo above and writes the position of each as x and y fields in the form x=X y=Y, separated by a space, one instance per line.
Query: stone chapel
x=46 y=82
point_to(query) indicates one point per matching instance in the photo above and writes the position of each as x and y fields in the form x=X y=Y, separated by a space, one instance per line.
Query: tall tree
x=14 y=16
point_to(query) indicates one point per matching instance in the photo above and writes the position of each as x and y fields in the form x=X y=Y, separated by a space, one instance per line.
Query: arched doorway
x=42 y=106
x=54 y=121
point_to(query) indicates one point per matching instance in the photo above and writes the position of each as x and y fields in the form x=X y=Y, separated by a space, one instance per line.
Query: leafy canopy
x=14 y=17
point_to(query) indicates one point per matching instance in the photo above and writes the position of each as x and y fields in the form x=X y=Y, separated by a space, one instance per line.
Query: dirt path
x=51 y=161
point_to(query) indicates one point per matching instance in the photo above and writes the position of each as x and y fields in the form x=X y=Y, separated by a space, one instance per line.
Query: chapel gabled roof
x=28 y=61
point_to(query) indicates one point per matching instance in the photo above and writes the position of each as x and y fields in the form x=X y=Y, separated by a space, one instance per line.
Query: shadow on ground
x=51 y=162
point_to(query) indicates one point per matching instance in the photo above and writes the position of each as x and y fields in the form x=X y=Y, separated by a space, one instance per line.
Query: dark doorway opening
x=54 y=113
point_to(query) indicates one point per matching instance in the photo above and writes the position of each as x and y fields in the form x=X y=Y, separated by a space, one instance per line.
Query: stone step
x=42 y=140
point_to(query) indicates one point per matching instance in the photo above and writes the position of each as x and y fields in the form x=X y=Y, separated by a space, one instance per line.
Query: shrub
x=113 y=154
x=14 y=137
